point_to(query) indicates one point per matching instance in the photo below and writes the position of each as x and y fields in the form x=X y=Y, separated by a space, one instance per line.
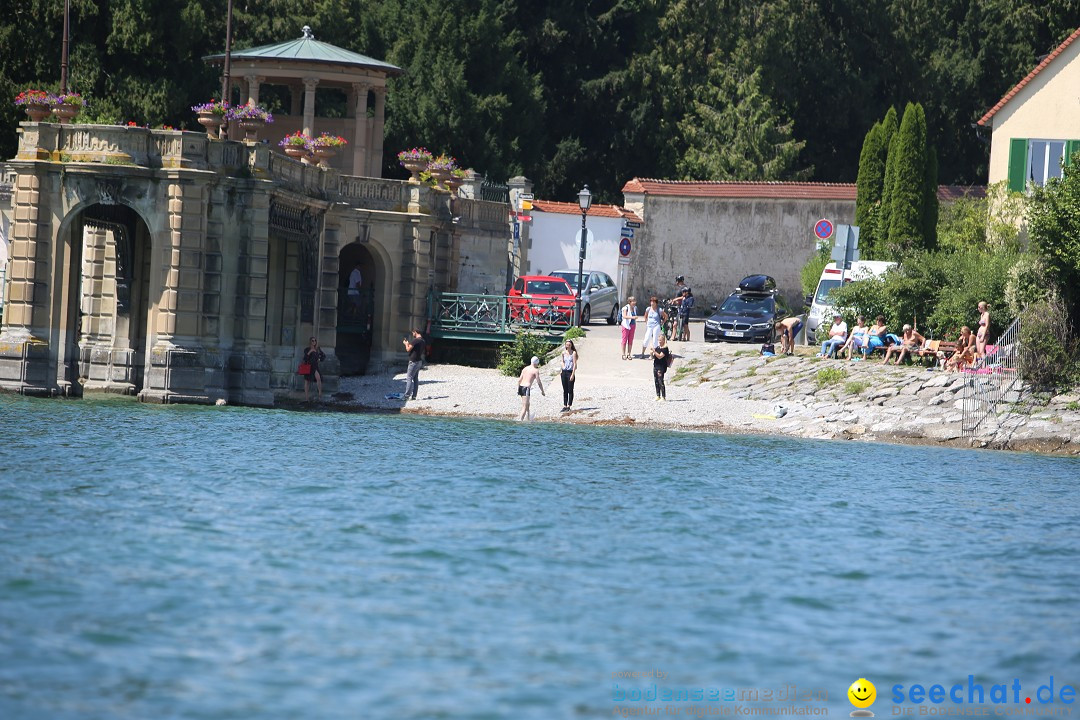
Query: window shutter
x=1071 y=146
x=1018 y=151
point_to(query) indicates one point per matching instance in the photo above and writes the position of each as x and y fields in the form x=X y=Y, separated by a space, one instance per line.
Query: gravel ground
x=608 y=390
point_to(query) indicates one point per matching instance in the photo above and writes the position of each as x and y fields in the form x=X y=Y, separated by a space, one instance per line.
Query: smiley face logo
x=862 y=694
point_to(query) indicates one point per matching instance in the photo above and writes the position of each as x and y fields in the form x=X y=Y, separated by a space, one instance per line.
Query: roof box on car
x=757 y=283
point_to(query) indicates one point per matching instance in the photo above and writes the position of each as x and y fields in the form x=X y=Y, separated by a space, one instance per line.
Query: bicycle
x=670 y=324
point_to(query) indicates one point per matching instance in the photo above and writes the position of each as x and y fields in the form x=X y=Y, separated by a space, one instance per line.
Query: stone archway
x=357 y=315
x=110 y=271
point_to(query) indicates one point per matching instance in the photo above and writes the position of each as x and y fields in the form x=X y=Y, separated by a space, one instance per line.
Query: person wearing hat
x=529 y=374
x=837 y=337
x=685 y=307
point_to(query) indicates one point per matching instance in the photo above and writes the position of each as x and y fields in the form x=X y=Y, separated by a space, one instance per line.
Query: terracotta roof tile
x=737 y=189
x=565 y=208
x=772 y=190
x=1038 y=68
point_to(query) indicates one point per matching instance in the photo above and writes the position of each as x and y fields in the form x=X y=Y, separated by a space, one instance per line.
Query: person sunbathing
x=964 y=357
x=910 y=342
x=857 y=340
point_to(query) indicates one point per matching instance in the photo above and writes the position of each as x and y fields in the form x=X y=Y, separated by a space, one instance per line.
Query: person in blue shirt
x=685 y=307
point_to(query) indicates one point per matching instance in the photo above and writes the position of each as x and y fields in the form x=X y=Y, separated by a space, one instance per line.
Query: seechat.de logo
x=862 y=695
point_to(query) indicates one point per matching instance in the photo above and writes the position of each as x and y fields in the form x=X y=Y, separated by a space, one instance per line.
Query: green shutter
x=1018 y=158
x=1071 y=147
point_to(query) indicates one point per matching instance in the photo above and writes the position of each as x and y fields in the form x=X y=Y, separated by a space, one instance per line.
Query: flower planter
x=441 y=176
x=324 y=154
x=65 y=112
x=251 y=128
x=36 y=112
x=454 y=183
x=212 y=122
x=295 y=151
x=415 y=167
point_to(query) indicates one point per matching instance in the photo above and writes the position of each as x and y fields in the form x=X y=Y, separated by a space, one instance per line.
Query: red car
x=542 y=299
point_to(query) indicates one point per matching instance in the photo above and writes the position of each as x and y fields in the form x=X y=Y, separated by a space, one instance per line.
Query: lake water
x=192 y=562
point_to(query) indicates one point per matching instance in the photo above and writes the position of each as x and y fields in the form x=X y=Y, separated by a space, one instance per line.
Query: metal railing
x=495 y=192
x=483 y=314
x=992 y=379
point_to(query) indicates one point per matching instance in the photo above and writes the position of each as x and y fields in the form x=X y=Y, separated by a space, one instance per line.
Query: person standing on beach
x=788 y=328
x=661 y=356
x=629 y=320
x=982 y=336
x=529 y=374
x=569 y=371
x=415 y=347
x=654 y=317
x=313 y=355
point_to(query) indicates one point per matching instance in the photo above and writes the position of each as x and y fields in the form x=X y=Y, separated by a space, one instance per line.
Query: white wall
x=554 y=241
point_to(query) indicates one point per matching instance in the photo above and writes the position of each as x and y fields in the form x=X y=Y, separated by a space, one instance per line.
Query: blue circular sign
x=824 y=229
x=625 y=247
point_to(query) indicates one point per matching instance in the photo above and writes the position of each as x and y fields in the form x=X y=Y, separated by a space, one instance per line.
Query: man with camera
x=415 y=346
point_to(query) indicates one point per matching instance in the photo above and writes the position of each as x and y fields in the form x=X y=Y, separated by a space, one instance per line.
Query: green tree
x=930 y=205
x=868 y=188
x=733 y=132
x=1054 y=228
x=908 y=181
x=884 y=215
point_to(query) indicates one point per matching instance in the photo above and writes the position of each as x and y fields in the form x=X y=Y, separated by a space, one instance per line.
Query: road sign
x=846 y=246
x=627 y=232
x=526 y=196
x=823 y=229
x=625 y=247
x=632 y=224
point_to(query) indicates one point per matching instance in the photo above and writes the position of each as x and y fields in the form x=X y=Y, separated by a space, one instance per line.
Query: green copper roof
x=307 y=49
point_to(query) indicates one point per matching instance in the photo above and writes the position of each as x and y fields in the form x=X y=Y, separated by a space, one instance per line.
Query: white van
x=820 y=309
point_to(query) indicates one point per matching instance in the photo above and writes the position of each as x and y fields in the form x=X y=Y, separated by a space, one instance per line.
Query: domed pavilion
x=321 y=88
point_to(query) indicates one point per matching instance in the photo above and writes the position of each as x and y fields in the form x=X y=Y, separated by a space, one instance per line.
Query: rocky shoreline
x=725 y=388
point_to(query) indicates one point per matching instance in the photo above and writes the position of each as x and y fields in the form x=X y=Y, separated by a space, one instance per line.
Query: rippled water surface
x=184 y=562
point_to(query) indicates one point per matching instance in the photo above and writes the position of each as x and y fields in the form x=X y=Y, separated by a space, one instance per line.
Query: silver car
x=599 y=297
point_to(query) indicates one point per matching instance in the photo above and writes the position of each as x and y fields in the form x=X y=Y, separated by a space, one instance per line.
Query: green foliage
x=855 y=387
x=811 y=271
x=829 y=376
x=930 y=207
x=1054 y=225
x=880 y=249
x=1048 y=351
x=909 y=177
x=1029 y=282
x=573 y=333
x=516 y=355
x=936 y=291
x=1073 y=406
x=869 y=185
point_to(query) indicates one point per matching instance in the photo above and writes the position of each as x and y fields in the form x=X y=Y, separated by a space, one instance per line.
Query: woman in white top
x=569 y=372
x=654 y=317
x=629 y=320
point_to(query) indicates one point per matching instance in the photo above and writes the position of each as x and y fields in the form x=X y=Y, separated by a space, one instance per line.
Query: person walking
x=629 y=320
x=313 y=355
x=661 y=356
x=654 y=317
x=415 y=346
x=569 y=371
x=529 y=374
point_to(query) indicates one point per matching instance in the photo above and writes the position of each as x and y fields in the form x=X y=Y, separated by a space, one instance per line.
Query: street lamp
x=584 y=200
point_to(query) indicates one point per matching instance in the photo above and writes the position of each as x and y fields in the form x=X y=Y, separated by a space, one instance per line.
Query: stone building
x=180 y=268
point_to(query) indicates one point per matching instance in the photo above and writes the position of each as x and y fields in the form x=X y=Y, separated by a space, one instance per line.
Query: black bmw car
x=748 y=314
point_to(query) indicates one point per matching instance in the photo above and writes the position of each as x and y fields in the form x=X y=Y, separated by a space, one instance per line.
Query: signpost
x=627 y=232
x=823 y=229
x=632 y=224
x=625 y=247
x=845 y=248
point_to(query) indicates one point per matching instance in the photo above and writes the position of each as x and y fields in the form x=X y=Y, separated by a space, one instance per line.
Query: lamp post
x=226 y=81
x=584 y=200
x=64 y=50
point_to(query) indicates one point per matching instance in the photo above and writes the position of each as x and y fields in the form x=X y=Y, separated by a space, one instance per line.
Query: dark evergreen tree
x=930 y=199
x=869 y=185
x=908 y=183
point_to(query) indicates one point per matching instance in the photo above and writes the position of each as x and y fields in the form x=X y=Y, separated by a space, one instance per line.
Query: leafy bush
x=811 y=272
x=1047 y=348
x=573 y=333
x=936 y=291
x=1029 y=282
x=516 y=355
x=1054 y=219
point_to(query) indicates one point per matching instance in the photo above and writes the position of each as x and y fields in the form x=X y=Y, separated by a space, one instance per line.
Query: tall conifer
x=869 y=185
x=908 y=182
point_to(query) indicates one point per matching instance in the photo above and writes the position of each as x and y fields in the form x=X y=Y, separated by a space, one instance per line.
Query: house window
x=1044 y=160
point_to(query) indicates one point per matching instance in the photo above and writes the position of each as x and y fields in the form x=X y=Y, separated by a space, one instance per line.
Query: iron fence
x=483 y=314
x=994 y=379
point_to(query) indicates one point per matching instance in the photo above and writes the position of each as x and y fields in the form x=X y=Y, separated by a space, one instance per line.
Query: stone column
x=253 y=82
x=360 y=146
x=27 y=342
x=375 y=163
x=520 y=246
x=310 y=84
x=294 y=99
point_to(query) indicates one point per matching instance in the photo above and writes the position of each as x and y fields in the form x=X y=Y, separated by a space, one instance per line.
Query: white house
x=555 y=232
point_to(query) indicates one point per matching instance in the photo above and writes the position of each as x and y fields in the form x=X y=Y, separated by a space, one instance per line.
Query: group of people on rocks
x=864 y=339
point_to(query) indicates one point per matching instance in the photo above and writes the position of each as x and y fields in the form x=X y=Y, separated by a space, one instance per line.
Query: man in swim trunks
x=529 y=375
x=788 y=328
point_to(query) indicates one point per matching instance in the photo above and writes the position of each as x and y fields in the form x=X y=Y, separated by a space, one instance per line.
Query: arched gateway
x=187 y=269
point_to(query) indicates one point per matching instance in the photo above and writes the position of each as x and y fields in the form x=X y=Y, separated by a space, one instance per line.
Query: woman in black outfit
x=313 y=355
x=661 y=355
x=569 y=373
